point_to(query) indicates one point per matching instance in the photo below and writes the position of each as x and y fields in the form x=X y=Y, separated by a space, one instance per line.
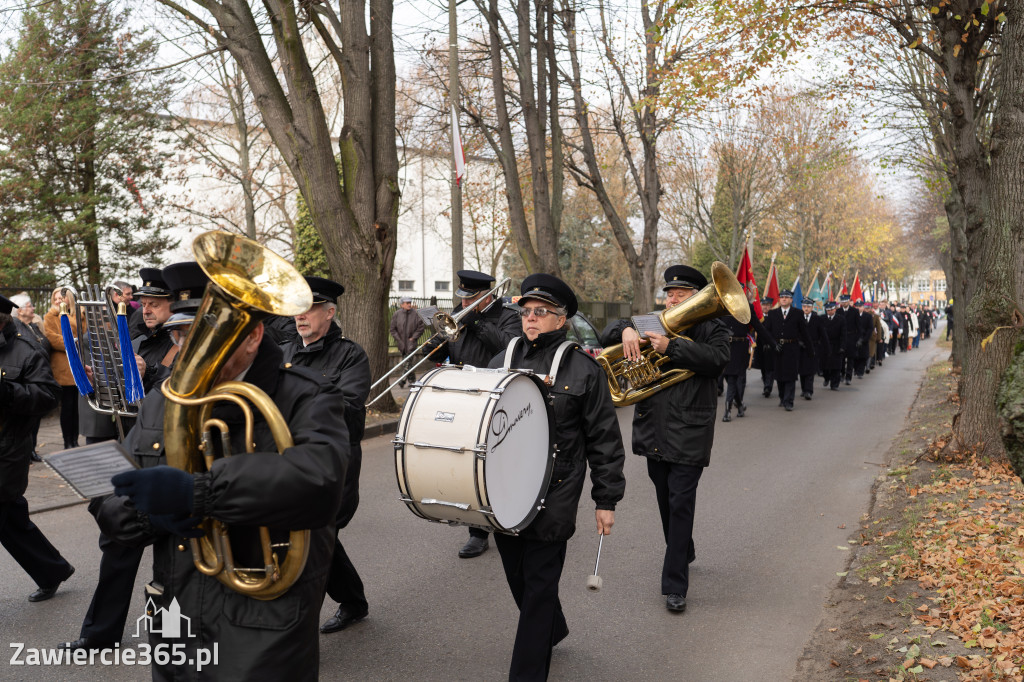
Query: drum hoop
x=550 y=460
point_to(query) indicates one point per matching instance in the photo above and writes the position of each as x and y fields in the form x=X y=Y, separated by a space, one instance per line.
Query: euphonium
x=248 y=282
x=724 y=295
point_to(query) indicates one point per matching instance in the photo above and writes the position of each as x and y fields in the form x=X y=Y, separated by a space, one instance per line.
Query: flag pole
x=456 y=188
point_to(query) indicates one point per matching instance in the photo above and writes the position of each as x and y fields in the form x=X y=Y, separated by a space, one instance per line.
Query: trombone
x=445 y=326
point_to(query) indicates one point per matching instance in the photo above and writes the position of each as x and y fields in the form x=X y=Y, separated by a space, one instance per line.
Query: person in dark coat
x=811 y=362
x=675 y=427
x=154 y=350
x=740 y=348
x=342 y=362
x=587 y=433
x=764 y=357
x=787 y=327
x=405 y=328
x=835 y=332
x=103 y=625
x=27 y=391
x=949 y=319
x=865 y=324
x=487 y=330
x=299 y=489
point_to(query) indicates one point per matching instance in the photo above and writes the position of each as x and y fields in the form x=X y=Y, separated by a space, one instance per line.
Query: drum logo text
x=444 y=417
x=501 y=426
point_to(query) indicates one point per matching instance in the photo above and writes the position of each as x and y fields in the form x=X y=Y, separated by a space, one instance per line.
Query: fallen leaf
x=928 y=663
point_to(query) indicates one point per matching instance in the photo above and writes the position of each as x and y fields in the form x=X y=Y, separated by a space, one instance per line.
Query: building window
x=442 y=285
x=923 y=285
x=406 y=284
x=940 y=285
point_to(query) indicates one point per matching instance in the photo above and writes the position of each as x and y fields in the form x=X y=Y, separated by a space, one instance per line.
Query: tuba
x=724 y=295
x=248 y=282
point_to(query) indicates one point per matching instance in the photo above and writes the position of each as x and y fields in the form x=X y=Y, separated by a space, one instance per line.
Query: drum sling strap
x=556 y=362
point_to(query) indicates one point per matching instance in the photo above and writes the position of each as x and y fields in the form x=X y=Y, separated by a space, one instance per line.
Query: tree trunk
x=997 y=249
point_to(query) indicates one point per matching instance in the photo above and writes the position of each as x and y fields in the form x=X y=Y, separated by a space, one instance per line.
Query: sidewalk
x=47 y=491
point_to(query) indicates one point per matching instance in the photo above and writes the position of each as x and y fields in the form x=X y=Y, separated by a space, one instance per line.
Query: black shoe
x=806 y=396
x=834 y=388
x=474 y=547
x=767 y=393
x=44 y=593
x=789 y=408
x=342 y=619
x=727 y=417
x=675 y=602
x=36 y=457
x=401 y=384
x=87 y=644
x=741 y=410
x=562 y=634
x=847 y=382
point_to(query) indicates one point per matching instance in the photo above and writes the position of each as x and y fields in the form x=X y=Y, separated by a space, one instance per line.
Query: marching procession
x=500 y=432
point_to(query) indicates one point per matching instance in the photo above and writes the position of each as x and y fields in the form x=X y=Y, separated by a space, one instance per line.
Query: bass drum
x=475 y=447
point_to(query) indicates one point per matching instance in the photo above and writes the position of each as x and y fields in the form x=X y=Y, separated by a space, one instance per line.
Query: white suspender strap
x=509 y=352
x=557 y=360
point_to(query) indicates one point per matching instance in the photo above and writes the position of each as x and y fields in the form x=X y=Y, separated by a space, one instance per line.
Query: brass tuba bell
x=248 y=282
x=723 y=296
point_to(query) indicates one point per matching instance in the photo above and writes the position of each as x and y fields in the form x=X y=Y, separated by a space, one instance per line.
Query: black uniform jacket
x=153 y=345
x=587 y=433
x=341 y=362
x=858 y=328
x=835 y=332
x=810 y=363
x=27 y=391
x=739 y=346
x=485 y=335
x=791 y=333
x=677 y=424
x=299 y=489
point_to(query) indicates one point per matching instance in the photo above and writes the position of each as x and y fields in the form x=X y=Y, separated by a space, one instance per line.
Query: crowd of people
x=320 y=380
x=849 y=339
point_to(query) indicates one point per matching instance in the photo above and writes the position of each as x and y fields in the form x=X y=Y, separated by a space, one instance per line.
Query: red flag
x=843 y=289
x=745 y=275
x=855 y=291
x=771 y=289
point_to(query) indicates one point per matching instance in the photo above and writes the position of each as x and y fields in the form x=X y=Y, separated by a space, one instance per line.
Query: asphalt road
x=781 y=496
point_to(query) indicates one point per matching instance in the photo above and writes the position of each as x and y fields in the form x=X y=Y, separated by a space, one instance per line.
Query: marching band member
x=321 y=347
x=154 y=350
x=790 y=331
x=301 y=488
x=487 y=329
x=587 y=433
x=677 y=449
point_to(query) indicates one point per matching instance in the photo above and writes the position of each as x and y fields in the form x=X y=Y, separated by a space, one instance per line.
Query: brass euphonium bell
x=723 y=296
x=248 y=283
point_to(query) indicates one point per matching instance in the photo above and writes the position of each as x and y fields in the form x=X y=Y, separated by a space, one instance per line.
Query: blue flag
x=798 y=296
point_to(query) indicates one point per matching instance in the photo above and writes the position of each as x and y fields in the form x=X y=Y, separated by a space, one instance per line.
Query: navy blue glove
x=177 y=524
x=160 y=490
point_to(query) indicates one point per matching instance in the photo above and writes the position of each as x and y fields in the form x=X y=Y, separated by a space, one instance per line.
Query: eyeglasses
x=536 y=312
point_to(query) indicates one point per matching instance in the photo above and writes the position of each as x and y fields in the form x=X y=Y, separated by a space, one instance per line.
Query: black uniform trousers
x=767 y=379
x=112 y=598
x=343 y=582
x=533 y=569
x=29 y=547
x=787 y=392
x=676 y=488
x=735 y=386
x=807 y=384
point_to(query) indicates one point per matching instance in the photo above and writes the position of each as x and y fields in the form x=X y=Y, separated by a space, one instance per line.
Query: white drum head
x=518 y=453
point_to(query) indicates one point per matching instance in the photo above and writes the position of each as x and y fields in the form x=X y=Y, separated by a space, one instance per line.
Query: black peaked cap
x=684 y=276
x=472 y=282
x=549 y=289
x=187 y=282
x=324 y=290
x=153 y=283
x=6 y=305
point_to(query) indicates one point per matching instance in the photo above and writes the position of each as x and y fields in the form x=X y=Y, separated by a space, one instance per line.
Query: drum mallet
x=594 y=581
